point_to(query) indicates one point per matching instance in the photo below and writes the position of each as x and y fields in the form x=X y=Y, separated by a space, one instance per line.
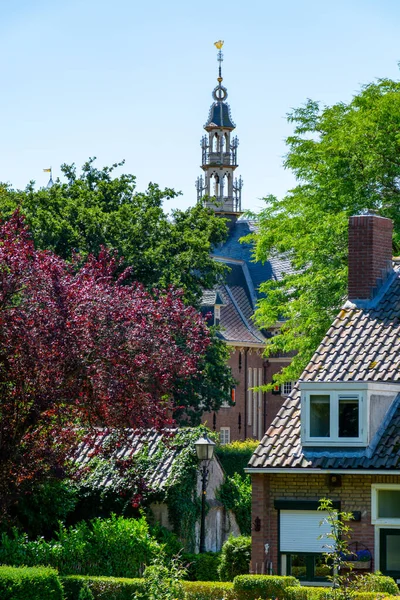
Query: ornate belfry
x=219 y=189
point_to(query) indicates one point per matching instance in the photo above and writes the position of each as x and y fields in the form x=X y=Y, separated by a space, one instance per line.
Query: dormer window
x=333 y=417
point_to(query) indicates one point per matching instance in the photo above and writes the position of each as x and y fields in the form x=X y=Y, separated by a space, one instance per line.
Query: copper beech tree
x=80 y=348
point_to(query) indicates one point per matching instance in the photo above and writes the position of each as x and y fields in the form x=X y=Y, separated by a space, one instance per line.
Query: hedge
x=30 y=583
x=102 y=588
x=250 y=587
x=376 y=582
x=326 y=593
x=209 y=590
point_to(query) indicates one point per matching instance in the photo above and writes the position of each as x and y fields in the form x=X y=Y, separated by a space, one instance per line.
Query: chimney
x=370 y=254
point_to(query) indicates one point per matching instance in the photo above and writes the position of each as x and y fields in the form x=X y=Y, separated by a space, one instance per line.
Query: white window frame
x=224 y=432
x=375 y=489
x=334 y=394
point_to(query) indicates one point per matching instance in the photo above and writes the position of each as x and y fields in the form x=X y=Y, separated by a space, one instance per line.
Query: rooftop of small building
x=362 y=345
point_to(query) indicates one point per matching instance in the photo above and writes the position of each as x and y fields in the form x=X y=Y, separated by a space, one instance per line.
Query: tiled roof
x=363 y=344
x=130 y=446
x=240 y=291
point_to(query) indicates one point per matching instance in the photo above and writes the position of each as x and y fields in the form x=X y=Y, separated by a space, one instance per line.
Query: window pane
x=319 y=416
x=389 y=504
x=348 y=417
x=321 y=568
x=393 y=552
x=298 y=566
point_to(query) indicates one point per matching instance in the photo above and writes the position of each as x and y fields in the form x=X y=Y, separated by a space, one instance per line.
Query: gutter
x=305 y=470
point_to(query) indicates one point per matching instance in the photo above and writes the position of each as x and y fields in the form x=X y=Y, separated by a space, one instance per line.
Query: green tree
x=346 y=158
x=97 y=208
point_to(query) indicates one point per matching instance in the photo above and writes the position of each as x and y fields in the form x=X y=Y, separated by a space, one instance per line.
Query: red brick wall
x=370 y=254
x=354 y=495
x=229 y=417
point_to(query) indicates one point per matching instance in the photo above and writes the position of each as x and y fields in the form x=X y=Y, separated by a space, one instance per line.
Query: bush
x=114 y=547
x=208 y=590
x=250 y=587
x=375 y=582
x=235 y=557
x=162 y=582
x=202 y=567
x=102 y=588
x=29 y=583
x=235 y=456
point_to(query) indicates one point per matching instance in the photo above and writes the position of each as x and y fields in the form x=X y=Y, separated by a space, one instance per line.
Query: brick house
x=338 y=433
x=233 y=303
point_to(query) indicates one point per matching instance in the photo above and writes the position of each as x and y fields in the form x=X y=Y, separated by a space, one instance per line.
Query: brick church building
x=233 y=302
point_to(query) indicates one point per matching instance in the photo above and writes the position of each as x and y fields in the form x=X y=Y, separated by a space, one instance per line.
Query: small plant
x=338 y=550
x=162 y=581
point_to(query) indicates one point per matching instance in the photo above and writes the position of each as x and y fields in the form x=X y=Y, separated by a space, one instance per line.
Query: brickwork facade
x=253 y=411
x=354 y=494
x=370 y=254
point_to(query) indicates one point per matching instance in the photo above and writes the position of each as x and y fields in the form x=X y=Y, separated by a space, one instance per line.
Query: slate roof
x=363 y=344
x=220 y=116
x=240 y=292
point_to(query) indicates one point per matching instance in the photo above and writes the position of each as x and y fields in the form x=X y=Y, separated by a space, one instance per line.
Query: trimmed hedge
x=326 y=593
x=102 y=588
x=376 y=582
x=209 y=590
x=30 y=583
x=250 y=587
x=235 y=557
x=113 y=588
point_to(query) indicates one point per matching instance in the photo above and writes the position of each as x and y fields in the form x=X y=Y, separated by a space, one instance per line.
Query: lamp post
x=205 y=452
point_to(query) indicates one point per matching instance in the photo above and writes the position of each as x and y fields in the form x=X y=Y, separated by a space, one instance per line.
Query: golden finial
x=219 y=44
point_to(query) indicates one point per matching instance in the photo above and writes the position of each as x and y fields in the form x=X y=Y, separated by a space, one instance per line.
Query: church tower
x=219 y=189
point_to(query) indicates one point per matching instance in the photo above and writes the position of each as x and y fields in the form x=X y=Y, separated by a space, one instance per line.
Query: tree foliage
x=96 y=208
x=346 y=158
x=80 y=347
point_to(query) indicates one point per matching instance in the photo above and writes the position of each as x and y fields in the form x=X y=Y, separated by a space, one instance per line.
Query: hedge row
x=244 y=587
x=29 y=583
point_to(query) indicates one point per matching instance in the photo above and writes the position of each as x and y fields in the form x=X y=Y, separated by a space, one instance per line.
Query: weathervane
x=220 y=57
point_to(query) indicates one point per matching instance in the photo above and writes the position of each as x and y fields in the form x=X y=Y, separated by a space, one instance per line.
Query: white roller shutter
x=300 y=529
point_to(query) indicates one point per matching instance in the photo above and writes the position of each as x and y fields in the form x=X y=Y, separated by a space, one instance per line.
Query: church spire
x=219 y=189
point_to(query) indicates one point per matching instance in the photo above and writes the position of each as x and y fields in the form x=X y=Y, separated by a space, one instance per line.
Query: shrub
x=162 y=582
x=235 y=495
x=208 y=590
x=323 y=593
x=375 y=582
x=114 y=547
x=102 y=588
x=85 y=593
x=29 y=583
x=250 y=587
x=235 y=456
x=202 y=567
x=235 y=557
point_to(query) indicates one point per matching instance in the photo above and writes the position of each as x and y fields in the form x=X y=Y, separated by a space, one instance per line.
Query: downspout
x=246 y=350
x=266 y=365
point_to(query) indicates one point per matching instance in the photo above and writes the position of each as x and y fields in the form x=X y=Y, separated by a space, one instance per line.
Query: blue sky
x=133 y=80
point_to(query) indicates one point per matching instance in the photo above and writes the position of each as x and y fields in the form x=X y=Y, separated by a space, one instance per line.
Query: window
x=308 y=567
x=287 y=387
x=225 y=435
x=385 y=504
x=333 y=417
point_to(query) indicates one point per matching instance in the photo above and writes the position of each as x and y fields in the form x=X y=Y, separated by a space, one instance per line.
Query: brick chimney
x=370 y=254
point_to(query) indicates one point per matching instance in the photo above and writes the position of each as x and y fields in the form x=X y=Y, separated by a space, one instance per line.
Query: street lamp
x=205 y=452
